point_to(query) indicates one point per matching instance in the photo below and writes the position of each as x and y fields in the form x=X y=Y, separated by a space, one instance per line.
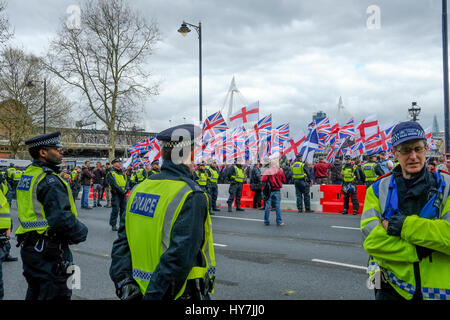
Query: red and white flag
x=246 y=114
x=368 y=127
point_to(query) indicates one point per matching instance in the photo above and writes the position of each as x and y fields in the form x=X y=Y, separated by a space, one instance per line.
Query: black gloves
x=128 y=290
x=395 y=225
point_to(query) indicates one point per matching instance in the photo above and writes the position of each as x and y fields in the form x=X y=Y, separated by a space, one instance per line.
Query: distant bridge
x=84 y=142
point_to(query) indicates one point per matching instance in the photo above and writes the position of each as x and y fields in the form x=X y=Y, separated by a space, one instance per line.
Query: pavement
x=315 y=256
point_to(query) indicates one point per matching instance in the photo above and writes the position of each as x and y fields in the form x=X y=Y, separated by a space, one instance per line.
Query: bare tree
x=5 y=33
x=105 y=59
x=16 y=123
x=16 y=69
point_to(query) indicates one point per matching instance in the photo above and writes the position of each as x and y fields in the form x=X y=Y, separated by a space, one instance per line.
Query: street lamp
x=414 y=111
x=445 y=77
x=184 y=30
x=30 y=85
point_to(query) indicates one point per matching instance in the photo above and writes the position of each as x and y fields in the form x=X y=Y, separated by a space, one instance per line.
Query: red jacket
x=321 y=169
x=276 y=178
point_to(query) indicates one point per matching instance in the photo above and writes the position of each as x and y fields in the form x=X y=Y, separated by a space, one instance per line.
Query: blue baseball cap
x=406 y=131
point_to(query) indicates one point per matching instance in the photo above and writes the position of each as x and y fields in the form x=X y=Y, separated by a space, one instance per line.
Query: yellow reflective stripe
x=173 y=208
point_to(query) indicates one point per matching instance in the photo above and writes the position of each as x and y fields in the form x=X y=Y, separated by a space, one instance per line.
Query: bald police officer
x=146 y=262
x=48 y=221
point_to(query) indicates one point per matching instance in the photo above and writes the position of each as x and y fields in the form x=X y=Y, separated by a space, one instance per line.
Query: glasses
x=407 y=150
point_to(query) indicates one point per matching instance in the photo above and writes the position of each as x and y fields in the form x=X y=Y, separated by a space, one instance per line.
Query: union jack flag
x=323 y=130
x=347 y=130
x=213 y=125
x=264 y=125
x=141 y=147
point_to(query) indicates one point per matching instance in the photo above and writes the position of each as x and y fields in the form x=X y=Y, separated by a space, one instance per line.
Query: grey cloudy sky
x=295 y=56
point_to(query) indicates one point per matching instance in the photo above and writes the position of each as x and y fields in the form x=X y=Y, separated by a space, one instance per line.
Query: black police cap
x=179 y=136
x=45 y=140
x=115 y=160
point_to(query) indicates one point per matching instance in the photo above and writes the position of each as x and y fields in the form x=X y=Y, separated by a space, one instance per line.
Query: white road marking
x=340 y=264
x=220 y=245
x=236 y=218
x=341 y=227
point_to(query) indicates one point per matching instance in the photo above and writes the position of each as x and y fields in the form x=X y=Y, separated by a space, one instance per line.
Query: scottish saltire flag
x=311 y=143
x=213 y=125
x=244 y=115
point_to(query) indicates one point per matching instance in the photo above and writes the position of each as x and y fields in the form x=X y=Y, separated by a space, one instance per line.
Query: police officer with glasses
x=406 y=224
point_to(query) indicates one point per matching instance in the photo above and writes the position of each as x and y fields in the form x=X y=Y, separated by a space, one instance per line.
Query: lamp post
x=30 y=85
x=414 y=111
x=184 y=30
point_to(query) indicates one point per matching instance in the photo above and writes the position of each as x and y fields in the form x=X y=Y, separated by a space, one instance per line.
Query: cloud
x=295 y=57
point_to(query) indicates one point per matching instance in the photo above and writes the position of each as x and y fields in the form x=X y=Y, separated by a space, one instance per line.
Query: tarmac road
x=314 y=257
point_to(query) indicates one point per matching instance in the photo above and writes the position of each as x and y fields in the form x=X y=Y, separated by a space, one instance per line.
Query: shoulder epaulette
x=383 y=176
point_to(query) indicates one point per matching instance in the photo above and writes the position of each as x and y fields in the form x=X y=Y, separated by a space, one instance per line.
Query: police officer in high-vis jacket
x=117 y=180
x=48 y=221
x=371 y=170
x=165 y=247
x=5 y=230
x=349 y=174
x=301 y=182
x=211 y=186
x=406 y=224
x=236 y=176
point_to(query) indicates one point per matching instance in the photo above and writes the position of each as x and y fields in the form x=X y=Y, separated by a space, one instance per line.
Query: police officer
x=48 y=221
x=372 y=170
x=10 y=172
x=145 y=260
x=201 y=176
x=139 y=175
x=236 y=177
x=155 y=167
x=5 y=230
x=213 y=177
x=301 y=182
x=349 y=173
x=406 y=224
x=75 y=182
x=117 y=180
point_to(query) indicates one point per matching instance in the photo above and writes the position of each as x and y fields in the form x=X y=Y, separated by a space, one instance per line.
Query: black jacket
x=184 y=250
x=52 y=193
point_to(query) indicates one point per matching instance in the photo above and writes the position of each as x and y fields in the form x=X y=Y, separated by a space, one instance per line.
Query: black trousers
x=303 y=194
x=235 y=193
x=119 y=205
x=257 y=199
x=3 y=254
x=355 y=202
x=213 y=191
x=44 y=280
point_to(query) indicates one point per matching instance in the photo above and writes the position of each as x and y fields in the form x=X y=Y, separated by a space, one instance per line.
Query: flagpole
x=445 y=76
